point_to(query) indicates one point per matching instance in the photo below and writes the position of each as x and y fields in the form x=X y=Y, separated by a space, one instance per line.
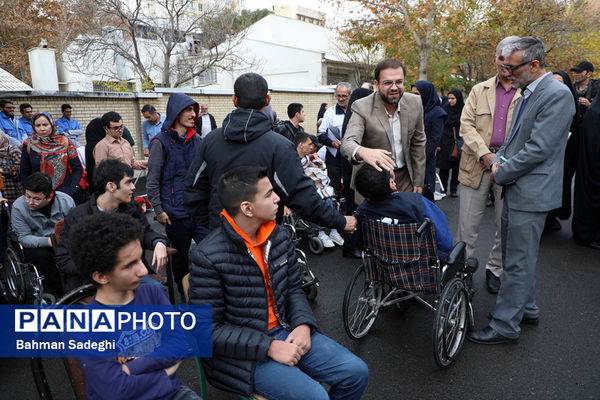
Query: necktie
x=523 y=104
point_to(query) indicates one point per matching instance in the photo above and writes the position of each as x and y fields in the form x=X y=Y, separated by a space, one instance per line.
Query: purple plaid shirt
x=503 y=99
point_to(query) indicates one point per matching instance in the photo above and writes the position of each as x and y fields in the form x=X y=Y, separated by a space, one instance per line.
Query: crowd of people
x=519 y=137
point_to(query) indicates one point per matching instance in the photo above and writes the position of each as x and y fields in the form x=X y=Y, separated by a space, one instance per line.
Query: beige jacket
x=476 y=125
x=369 y=127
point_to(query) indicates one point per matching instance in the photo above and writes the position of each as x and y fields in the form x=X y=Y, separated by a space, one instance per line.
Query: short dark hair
x=96 y=239
x=23 y=106
x=239 y=184
x=294 y=108
x=3 y=102
x=372 y=184
x=148 y=108
x=301 y=137
x=109 y=117
x=38 y=182
x=110 y=170
x=389 y=63
x=64 y=107
x=251 y=91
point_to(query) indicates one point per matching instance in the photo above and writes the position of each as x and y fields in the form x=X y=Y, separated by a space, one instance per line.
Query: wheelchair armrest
x=457 y=254
x=422 y=229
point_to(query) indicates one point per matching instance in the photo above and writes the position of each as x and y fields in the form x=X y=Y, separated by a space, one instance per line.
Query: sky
x=325 y=6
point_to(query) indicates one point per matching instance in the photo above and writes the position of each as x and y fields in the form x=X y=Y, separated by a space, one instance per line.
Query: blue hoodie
x=170 y=158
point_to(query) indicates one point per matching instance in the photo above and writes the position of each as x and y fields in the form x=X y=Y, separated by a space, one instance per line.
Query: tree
x=170 y=40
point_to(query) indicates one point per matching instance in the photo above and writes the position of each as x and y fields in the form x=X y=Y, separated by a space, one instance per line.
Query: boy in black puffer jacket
x=262 y=323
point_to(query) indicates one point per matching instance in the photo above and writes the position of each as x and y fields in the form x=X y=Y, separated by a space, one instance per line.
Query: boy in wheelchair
x=265 y=337
x=383 y=202
x=107 y=247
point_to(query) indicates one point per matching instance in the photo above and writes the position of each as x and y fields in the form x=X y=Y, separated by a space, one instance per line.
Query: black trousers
x=334 y=171
x=180 y=234
x=444 y=173
x=43 y=259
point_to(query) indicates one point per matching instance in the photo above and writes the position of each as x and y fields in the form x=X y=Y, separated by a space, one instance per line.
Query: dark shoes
x=492 y=282
x=526 y=320
x=351 y=252
x=453 y=194
x=552 y=224
x=488 y=335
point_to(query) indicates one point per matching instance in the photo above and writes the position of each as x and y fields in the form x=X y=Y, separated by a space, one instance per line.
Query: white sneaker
x=336 y=238
x=327 y=243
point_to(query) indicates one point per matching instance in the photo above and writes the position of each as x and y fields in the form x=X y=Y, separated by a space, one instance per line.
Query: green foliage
x=246 y=18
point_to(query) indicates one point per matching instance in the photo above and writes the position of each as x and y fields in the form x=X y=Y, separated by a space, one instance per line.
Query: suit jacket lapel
x=403 y=124
x=380 y=111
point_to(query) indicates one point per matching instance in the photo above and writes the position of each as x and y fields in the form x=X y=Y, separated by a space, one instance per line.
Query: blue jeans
x=327 y=361
x=185 y=393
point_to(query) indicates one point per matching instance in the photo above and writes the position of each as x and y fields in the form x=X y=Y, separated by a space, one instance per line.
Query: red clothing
x=258 y=252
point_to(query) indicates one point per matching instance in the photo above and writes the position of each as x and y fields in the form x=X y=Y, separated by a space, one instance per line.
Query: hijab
x=356 y=94
x=567 y=81
x=454 y=112
x=431 y=101
x=54 y=150
x=322 y=110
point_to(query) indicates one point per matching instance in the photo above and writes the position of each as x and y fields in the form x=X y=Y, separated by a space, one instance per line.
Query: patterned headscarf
x=55 y=151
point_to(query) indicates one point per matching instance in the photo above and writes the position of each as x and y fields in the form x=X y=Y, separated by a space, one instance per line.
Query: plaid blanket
x=399 y=258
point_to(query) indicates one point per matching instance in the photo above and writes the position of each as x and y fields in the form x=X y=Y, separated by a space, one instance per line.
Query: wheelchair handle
x=423 y=227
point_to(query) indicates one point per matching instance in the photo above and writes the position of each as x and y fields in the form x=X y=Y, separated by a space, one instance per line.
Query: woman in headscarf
x=433 y=119
x=445 y=160
x=10 y=160
x=586 y=209
x=53 y=154
x=321 y=112
x=564 y=212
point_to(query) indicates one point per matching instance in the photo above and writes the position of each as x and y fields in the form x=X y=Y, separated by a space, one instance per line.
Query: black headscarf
x=453 y=118
x=356 y=94
x=322 y=110
x=94 y=132
x=586 y=210
x=567 y=81
x=431 y=101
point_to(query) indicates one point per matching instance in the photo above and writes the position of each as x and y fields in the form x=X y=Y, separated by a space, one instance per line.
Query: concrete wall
x=89 y=106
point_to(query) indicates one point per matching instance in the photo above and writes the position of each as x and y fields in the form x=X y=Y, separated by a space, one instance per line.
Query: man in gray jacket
x=33 y=218
x=529 y=166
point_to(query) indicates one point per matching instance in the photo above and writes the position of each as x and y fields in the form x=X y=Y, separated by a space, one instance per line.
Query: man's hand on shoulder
x=377 y=158
x=301 y=337
x=284 y=352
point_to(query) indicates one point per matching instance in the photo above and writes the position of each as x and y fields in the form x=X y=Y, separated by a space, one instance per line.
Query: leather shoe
x=351 y=252
x=526 y=320
x=488 y=335
x=492 y=282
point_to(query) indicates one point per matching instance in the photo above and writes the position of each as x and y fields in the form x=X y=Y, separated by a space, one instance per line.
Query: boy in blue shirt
x=383 y=201
x=107 y=247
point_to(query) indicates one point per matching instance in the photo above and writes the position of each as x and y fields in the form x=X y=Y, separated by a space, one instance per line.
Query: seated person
x=262 y=323
x=33 y=218
x=315 y=169
x=114 y=144
x=383 y=201
x=113 y=183
x=108 y=251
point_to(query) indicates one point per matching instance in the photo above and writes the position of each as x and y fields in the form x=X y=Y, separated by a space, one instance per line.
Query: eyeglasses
x=117 y=128
x=512 y=68
x=387 y=84
x=33 y=200
x=341 y=96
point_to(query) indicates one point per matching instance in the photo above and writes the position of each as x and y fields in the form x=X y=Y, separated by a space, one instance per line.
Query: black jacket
x=246 y=138
x=288 y=130
x=213 y=123
x=71 y=272
x=223 y=274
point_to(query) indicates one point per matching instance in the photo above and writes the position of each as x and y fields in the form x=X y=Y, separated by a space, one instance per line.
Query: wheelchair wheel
x=14 y=276
x=451 y=323
x=361 y=304
x=309 y=281
x=315 y=245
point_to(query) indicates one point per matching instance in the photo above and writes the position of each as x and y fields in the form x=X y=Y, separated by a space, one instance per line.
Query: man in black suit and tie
x=529 y=166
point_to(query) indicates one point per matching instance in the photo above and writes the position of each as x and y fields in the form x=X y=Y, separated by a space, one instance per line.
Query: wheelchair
x=310 y=283
x=399 y=263
x=20 y=282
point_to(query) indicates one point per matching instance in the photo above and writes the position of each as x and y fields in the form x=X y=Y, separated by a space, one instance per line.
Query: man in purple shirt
x=483 y=126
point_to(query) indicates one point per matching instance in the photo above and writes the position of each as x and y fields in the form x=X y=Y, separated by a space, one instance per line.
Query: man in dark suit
x=206 y=122
x=530 y=167
x=386 y=130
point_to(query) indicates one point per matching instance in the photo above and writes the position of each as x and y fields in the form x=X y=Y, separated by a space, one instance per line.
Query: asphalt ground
x=559 y=359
